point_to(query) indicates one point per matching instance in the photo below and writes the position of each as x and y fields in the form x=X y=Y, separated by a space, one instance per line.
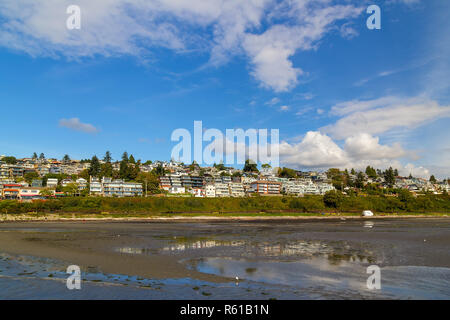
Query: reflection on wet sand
x=304 y=248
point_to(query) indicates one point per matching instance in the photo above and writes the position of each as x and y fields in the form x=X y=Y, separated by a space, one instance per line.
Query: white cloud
x=284 y=108
x=347 y=107
x=223 y=28
x=273 y=101
x=77 y=125
x=384 y=114
x=270 y=51
x=366 y=147
x=317 y=150
x=407 y=2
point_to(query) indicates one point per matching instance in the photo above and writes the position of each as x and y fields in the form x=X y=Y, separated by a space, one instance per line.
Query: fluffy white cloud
x=270 y=51
x=319 y=151
x=269 y=32
x=366 y=147
x=381 y=115
x=315 y=150
x=77 y=125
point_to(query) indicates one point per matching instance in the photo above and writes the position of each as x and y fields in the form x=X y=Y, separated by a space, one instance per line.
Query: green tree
x=133 y=171
x=433 y=179
x=10 y=160
x=30 y=176
x=371 y=172
x=106 y=169
x=71 y=189
x=332 y=199
x=66 y=158
x=250 y=166
x=107 y=158
x=219 y=166
x=405 y=195
x=337 y=178
x=389 y=177
x=46 y=192
x=150 y=180
x=159 y=171
x=35 y=156
x=124 y=169
x=84 y=174
x=94 y=169
x=42 y=156
x=359 y=183
x=287 y=173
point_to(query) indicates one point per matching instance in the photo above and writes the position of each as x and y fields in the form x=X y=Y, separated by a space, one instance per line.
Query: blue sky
x=340 y=94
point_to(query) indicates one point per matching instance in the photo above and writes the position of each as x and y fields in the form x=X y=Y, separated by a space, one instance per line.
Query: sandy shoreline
x=181 y=218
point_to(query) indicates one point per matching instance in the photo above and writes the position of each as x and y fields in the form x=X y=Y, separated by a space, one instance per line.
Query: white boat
x=367 y=213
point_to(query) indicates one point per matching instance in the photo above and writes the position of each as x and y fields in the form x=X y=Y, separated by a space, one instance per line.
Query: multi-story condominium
x=4 y=171
x=95 y=187
x=236 y=189
x=55 y=170
x=66 y=182
x=52 y=182
x=197 y=182
x=43 y=170
x=30 y=194
x=186 y=181
x=119 y=188
x=311 y=188
x=164 y=183
x=325 y=187
x=70 y=169
x=293 y=188
x=191 y=181
x=132 y=189
x=11 y=191
x=210 y=191
x=265 y=187
x=82 y=184
x=115 y=188
x=175 y=181
x=226 y=179
x=16 y=171
x=222 y=190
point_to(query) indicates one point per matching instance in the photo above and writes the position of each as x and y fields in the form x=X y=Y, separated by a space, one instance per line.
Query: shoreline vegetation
x=328 y=206
x=199 y=218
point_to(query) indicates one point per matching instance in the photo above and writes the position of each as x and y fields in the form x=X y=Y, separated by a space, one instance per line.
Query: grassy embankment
x=308 y=206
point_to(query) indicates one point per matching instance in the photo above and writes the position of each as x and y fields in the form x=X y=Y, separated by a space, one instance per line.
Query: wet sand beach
x=284 y=258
